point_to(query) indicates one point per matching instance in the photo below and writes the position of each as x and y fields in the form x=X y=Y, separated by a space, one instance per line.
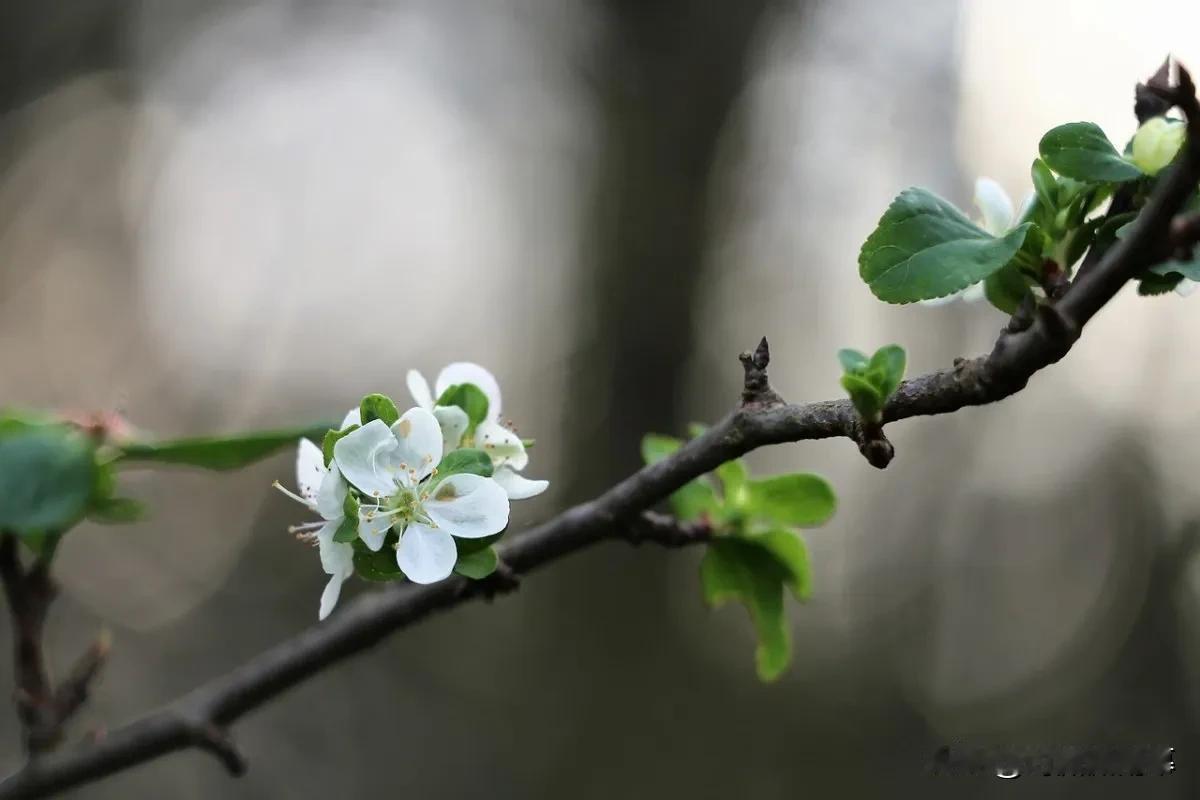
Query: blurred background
x=234 y=214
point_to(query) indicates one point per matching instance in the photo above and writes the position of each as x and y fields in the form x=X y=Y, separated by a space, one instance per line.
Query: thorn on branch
x=756 y=388
x=1152 y=98
x=213 y=739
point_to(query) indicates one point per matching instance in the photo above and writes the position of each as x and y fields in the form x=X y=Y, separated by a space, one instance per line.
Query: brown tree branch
x=201 y=718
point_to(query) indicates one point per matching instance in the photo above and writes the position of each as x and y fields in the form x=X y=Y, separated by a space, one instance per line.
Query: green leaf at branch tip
x=733 y=476
x=738 y=570
x=1080 y=150
x=218 y=452
x=1006 y=288
x=470 y=398
x=852 y=361
x=791 y=554
x=467 y=459
x=331 y=438
x=378 y=407
x=47 y=477
x=864 y=395
x=886 y=369
x=925 y=248
x=799 y=499
x=477 y=564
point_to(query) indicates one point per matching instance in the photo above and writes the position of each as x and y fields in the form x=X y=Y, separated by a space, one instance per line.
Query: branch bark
x=201 y=719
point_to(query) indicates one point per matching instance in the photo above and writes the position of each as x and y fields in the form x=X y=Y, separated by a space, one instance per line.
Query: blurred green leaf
x=219 y=452
x=925 y=248
x=47 y=477
x=801 y=499
x=469 y=460
x=470 y=398
x=347 y=531
x=864 y=395
x=331 y=438
x=380 y=407
x=1006 y=288
x=695 y=499
x=734 y=569
x=853 y=361
x=1044 y=185
x=1080 y=150
x=886 y=369
x=116 y=510
x=477 y=564
x=791 y=554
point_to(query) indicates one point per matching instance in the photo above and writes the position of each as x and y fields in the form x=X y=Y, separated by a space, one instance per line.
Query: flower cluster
x=443 y=471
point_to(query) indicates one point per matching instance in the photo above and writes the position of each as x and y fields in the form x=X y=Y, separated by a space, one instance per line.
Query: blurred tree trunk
x=667 y=80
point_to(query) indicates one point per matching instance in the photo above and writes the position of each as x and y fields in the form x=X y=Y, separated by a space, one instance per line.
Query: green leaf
x=380 y=407
x=378 y=566
x=331 y=438
x=852 y=361
x=800 y=499
x=791 y=554
x=733 y=476
x=116 y=510
x=470 y=398
x=1080 y=150
x=886 y=369
x=1151 y=284
x=469 y=460
x=695 y=499
x=733 y=569
x=348 y=530
x=477 y=564
x=926 y=248
x=219 y=452
x=864 y=395
x=1184 y=269
x=1006 y=288
x=1045 y=185
x=47 y=477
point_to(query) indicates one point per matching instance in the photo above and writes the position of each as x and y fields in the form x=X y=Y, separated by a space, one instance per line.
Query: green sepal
x=331 y=438
x=476 y=564
x=468 y=460
x=378 y=407
x=470 y=398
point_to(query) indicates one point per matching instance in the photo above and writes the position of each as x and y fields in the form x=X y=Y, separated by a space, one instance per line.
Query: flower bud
x=1156 y=143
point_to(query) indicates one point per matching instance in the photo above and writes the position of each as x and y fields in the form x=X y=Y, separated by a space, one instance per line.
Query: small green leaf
x=219 y=452
x=380 y=407
x=790 y=552
x=47 y=477
x=733 y=476
x=331 y=438
x=348 y=530
x=470 y=398
x=1006 y=288
x=852 y=361
x=477 y=564
x=737 y=570
x=800 y=499
x=1151 y=284
x=864 y=395
x=469 y=460
x=695 y=499
x=1080 y=150
x=924 y=248
x=1044 y=185
x=886 y=369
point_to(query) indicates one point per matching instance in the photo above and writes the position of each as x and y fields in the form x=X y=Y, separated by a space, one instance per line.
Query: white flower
x=1156 y=143
x=323 y=490
x=998 y=215
x=395 y=469
x=505 y=448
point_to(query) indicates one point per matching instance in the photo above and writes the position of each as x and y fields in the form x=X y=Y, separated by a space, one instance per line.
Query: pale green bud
x=1156 y=143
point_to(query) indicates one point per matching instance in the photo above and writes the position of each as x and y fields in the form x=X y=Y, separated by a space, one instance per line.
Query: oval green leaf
x=1080 y=150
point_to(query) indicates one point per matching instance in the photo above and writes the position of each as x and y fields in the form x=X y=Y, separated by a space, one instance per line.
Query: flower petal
x=353 y=417
x=995 y=205
x=310 y=469
x=329 y=597
x=425 y=554
x=453 y=421
x=504 y=446
x=365 y=458
x=418 y=387
x=420 y=444
x=1185 y=287
x=373 y=528
x=468 y=506
x=466 y=372
x=332 y=494
x=518 y=487
x=337 y=558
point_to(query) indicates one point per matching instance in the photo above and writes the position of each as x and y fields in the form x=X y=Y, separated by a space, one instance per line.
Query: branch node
x=756 y=388
x=216 y=741
x=875 y=446
x=502 y=581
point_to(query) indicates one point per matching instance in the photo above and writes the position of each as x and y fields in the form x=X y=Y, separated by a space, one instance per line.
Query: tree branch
x=201 y=718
